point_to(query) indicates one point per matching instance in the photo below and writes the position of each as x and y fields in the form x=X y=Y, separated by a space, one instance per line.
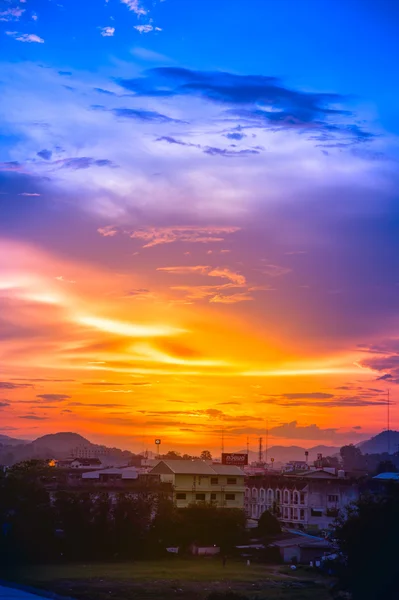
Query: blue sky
x=213 y=163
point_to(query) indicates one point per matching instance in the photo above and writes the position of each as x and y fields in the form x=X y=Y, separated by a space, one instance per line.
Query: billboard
x=238 y=460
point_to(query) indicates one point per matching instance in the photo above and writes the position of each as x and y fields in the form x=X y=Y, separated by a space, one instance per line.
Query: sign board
x=238 y=460
x=157 y=441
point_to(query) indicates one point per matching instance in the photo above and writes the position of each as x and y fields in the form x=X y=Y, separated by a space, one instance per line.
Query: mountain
x=9 y=441
x=58 y=445
x=379 y=443
x=283 y=454
x=62 y=442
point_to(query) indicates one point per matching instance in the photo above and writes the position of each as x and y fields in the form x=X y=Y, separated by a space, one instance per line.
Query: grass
x=191 y=579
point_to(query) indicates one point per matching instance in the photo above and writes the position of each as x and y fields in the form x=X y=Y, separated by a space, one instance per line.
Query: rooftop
x=387 y=477
x=125 y=473
x=195 y=467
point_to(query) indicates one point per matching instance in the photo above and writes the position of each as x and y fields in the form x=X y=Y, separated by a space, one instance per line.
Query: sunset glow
x=197 y=233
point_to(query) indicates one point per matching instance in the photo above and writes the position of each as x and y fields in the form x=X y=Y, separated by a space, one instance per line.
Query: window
x=230 y=496
x=332 y=498
x=180 y=496
x=213 y=496
x=316 y=512
x=214 y=480
x=231 y=481
x=302 y=499
x=200 y=497
x=302 y=514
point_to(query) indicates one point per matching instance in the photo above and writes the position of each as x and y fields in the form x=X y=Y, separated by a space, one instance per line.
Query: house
x=310 y=500
x=198 y=481
x=302 y=549
x=85 y=463
x=112 y=474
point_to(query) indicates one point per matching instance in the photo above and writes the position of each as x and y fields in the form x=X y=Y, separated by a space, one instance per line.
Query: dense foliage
x=37 y=524
x=368 y=537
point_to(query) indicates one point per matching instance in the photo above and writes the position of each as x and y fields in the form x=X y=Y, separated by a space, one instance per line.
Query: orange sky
x=124 y=367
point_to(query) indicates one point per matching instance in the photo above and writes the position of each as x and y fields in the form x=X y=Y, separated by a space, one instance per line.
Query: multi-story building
x=310 y=500
x=92 y=451
x=198 y=481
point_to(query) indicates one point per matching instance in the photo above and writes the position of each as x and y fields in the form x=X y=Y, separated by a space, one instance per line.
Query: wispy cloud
x=25 y=37
x=153 y=236
x=146 y=28
x=107 y=31
x=135 y=6
x=12 y=14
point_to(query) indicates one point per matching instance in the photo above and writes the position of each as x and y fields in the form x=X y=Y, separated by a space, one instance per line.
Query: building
x=308 y=501
x=85 y=463
x=198 y=481
x=112 y=474
x=92 y=451
x=302 y=549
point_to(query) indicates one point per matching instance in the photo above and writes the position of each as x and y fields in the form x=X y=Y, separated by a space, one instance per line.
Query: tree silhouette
x=206 y=455
x=367 y=537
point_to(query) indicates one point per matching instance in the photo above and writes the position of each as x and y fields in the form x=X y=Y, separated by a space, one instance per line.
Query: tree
x=172 y=455
x=26 y=518
x=207 y=525
x=367 y=538
x=268 y=525
x=206 y=455
x=351 y=457
x=386 y=466
x=330 y=461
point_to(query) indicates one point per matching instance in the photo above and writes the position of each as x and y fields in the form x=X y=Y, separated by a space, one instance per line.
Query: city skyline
x=198 y=221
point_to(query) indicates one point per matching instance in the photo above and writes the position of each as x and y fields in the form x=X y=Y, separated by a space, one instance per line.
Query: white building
x=92 y=451
x=309 y=501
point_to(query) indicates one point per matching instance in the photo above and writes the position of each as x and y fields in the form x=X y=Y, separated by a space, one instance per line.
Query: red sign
x=238 y=460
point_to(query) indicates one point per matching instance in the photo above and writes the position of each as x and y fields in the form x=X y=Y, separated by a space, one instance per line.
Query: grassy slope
x=163 y=580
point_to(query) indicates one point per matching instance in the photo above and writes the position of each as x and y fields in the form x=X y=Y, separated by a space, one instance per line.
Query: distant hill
x=283 y=454
x=379 y=443
x=9 y=441
x=64 y=441
x=56 y=445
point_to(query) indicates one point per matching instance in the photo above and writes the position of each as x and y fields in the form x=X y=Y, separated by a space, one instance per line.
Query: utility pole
x=388 y=424
x=267 y=440
x=223 y=441
x=260 y=456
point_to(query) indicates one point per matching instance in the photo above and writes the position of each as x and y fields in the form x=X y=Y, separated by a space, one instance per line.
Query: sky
x=199 y=218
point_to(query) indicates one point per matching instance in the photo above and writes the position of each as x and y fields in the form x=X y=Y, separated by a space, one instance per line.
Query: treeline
x=40 y=526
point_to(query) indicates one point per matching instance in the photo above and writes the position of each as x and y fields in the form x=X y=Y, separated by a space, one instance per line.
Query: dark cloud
x=235 y=135
x=65 y=73
x=294 y=431
x=226 y=403
x=384 y=358
x=172 y=140
x=212 y=151
x=83 y=162
x=42 y=380
x=310 y=395
x=138 y=114
x=45 y=154
x=53 y=397
x=98 y=405
x=364 y=397
x=32 y=417
x=4 y=404
x=228 y=153
x=106 y=92
x=8 y=385
x=11 y=165
x=251 y=97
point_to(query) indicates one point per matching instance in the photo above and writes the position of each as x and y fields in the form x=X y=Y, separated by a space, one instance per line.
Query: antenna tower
x=260 y=456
